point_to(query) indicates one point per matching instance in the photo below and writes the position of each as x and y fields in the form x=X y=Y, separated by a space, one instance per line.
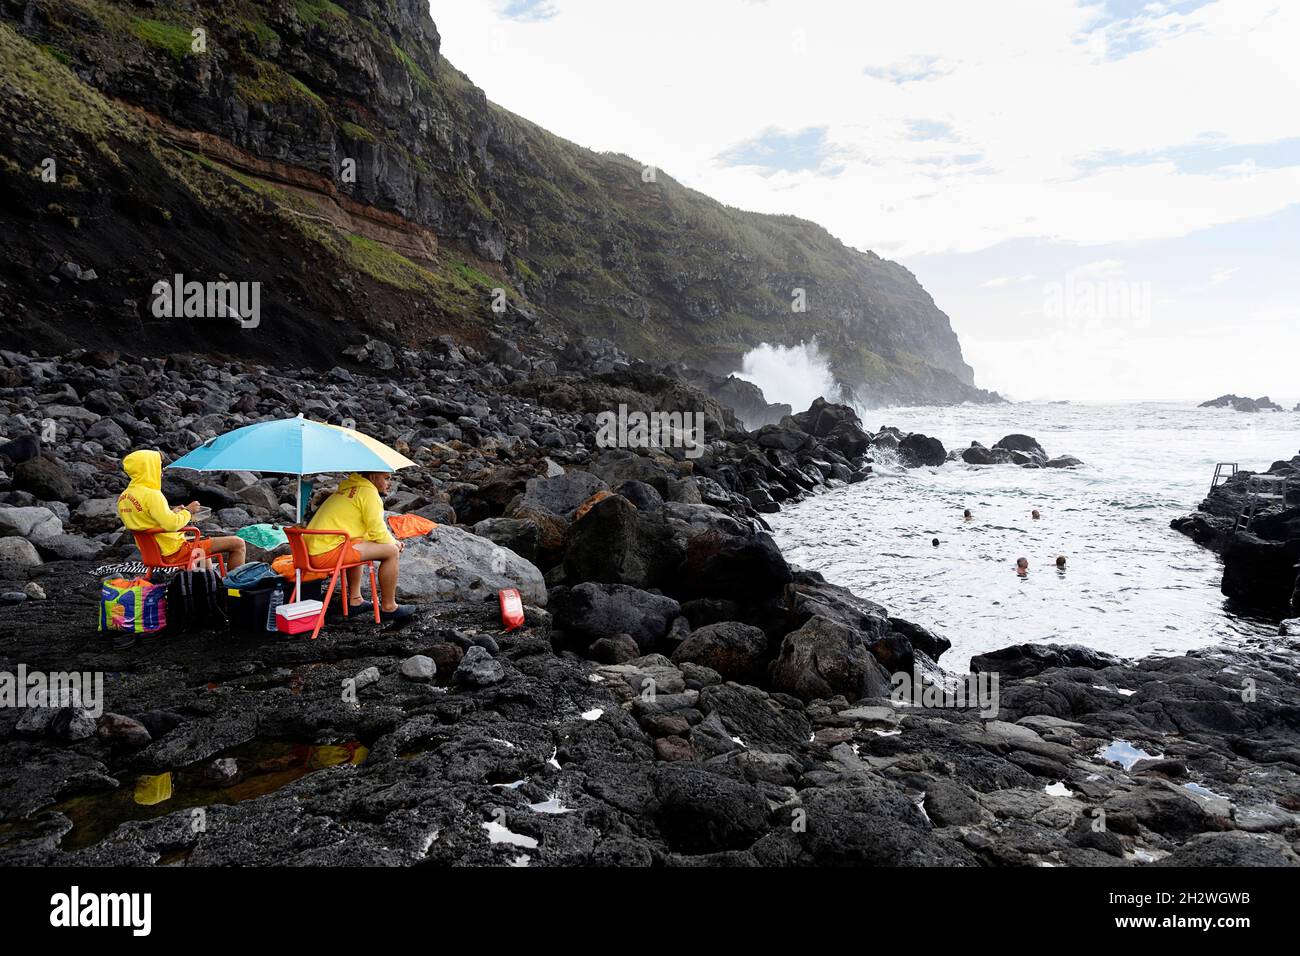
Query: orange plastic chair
x=302 y=560
x=152 y=557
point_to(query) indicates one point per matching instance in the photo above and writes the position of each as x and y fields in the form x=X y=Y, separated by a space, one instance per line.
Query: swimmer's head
x=1036 y=514
x=967 y=514
x=1060 y=561
x=935 y=542
x=1022 y=564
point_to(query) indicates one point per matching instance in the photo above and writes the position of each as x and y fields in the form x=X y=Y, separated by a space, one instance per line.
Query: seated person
x=142 y=507
x=357 y=509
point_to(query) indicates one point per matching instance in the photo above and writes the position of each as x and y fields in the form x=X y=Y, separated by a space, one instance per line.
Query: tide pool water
x=1132 y=586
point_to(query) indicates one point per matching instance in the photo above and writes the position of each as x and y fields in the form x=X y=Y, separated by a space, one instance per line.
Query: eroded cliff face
x=312 y=107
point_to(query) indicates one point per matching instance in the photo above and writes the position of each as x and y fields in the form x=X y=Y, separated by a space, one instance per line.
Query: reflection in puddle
x=499 y=834
x=1124 y=753
x=553 y=805
x=151 y=791
x=1201 y=791
x=264 y=767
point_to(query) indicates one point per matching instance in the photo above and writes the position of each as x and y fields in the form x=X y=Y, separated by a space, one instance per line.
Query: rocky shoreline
x=1261 y=563
x=680 y=694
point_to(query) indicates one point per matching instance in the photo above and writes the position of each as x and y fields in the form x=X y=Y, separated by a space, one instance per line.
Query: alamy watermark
x=1098 y=293
x=175 y=298
x=976 y=691
x=624 y=429
x=36 y=689
x=133 y=911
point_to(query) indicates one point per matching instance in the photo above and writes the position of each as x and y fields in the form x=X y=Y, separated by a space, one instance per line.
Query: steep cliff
x=331 y=153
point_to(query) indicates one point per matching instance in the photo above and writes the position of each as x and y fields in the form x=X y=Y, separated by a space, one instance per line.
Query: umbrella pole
x=297 y=573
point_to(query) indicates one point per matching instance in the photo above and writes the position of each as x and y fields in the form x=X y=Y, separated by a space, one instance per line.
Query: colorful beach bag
x=136 y=605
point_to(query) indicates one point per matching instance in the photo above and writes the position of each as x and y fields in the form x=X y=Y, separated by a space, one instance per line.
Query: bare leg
x=387 y=556
x=232 y=546
x=354 y=585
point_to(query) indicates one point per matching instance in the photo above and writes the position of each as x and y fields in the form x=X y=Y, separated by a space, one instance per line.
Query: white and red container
x=297 y=617
x=512 y=608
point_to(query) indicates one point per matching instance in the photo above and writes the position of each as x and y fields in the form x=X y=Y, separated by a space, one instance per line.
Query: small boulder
x=478 y=668
x=17 y=557
x=46 y=479
x=618 y=649
x=918 y=450
x=736 y=651
x=592 y=611
x=420 y=668
x=222 y=772
x=825 y=658
x=121 y=731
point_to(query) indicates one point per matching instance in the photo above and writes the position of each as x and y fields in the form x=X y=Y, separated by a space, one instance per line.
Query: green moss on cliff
x=58 y=98
x=267 y=83
x=173 y=40
x=357 y=132
x=320 y=13
x=380 y=262
x=413 y=68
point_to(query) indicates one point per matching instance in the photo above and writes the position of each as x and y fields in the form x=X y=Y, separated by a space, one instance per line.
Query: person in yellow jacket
x=142 y=507
x=357 y=510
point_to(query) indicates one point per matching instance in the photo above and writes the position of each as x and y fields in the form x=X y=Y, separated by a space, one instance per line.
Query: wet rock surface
x=1261 y=552
x=683 y=697
x=656 y=761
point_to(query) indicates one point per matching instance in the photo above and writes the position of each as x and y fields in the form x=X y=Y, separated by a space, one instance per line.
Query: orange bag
x=410 y=526
x=283 y=566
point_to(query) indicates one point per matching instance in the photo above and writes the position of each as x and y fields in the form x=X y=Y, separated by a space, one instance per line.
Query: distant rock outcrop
x=1261 y=404
x=1259 y=562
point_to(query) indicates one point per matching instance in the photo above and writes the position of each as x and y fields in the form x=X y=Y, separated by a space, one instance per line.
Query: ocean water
x=1132 y=586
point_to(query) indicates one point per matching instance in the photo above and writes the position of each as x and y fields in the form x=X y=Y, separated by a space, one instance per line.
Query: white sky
x=1103 y=196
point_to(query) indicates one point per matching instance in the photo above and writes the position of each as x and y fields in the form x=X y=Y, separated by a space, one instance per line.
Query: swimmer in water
x=1036 y=514
x=935 y=542
x=1022 y=567
x=1060 y=562
x=968 y=516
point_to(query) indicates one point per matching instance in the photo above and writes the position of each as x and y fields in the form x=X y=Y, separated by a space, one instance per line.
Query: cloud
x=1220 y=276
x=912 y=69
x=1100 y=269
x=1146 y=133
x=1007 y=280
x=1125 y=27
x=1209 y=153
x=528 y=11
x=775 y=151
x=961 y=146
x=925 y=129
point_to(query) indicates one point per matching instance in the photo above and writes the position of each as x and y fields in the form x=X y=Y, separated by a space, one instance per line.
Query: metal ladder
x=1266 y=489
x=1223 y=471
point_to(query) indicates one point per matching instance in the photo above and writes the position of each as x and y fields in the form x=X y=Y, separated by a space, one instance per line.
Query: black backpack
x=196 y=600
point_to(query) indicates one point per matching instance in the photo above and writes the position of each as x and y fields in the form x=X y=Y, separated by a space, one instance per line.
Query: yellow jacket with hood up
x=143 y=507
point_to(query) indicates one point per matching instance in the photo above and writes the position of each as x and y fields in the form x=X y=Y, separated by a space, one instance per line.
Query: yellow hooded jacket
x=142 y=506
x=356 y=509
